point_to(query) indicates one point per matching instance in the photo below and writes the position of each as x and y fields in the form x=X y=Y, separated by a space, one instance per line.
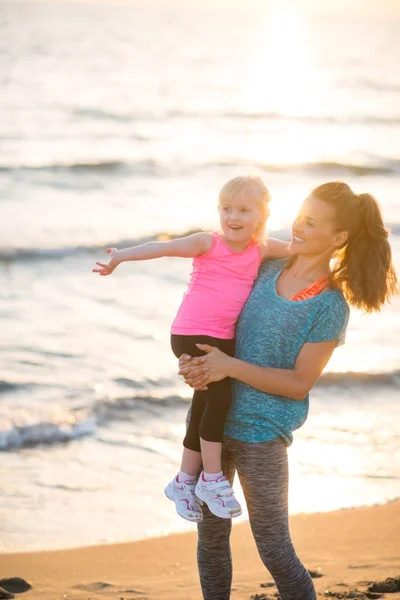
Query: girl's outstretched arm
x=187 y=247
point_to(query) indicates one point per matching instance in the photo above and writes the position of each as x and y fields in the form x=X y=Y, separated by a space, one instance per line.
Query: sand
x=350 y=549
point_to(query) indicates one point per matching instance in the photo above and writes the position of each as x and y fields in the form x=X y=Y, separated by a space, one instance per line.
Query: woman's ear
x=340 y=239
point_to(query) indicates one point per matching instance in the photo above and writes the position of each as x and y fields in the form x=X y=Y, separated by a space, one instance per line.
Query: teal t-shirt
x=270 y=333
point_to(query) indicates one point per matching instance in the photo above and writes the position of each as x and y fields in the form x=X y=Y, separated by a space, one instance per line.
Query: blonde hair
x=254 y=185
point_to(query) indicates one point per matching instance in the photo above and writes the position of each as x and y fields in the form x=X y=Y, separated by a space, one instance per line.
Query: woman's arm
x=187 y=247
x=273 y=248
x=292 y=383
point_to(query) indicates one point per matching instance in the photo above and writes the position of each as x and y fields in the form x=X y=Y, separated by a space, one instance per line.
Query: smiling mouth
x=296 y=238
x=235 y=227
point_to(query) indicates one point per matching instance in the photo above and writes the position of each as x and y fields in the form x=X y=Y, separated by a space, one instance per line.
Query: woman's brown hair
x=363 y=270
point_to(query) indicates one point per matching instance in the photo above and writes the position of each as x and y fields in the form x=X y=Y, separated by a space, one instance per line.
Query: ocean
x=119 y=124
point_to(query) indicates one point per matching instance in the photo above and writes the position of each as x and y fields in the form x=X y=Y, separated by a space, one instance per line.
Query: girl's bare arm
x=187 y=247
x=273 y=248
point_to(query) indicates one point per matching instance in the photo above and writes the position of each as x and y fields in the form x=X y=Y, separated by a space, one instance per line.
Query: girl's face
x=313 y=231
x=240 y=217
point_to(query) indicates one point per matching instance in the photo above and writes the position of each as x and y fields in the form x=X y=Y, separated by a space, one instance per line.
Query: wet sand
x=349 y=552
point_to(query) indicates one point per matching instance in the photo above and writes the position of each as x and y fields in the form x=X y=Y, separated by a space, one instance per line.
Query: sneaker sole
x=168 y=491
x=214 y=510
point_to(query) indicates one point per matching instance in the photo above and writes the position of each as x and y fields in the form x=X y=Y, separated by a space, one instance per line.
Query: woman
x=283 y=344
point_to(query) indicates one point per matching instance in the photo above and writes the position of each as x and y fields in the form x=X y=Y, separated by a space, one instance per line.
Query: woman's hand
x=200 y=371
x=107 y=269
x=193 y=371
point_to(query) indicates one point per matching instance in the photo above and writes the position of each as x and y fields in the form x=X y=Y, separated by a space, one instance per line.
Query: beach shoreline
x=348 y=550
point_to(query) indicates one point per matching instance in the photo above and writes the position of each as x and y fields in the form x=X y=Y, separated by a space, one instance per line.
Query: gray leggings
x=263 y=474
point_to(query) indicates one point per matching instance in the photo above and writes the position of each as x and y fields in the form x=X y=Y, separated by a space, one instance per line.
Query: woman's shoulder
x=270 y=266
x=331 y=318
x=334 y=308
x=335 y=298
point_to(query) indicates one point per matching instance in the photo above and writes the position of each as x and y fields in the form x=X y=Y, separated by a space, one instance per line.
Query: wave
x=7 y=386
x=385 y=167
x=102 y=115
x=24 y=255
x=43 y=254
x=106 y=166
x=85 y=421
x=81 y=423
x=352 y=378
x=165 y=115
x=154 y=168
x=318 y=119
x=15 y=437
x=377 y=85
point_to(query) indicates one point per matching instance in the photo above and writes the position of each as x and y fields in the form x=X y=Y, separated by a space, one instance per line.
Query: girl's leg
x=211 y=456
x=209 y=408
x=213 y=549
x=191 y=462
x=218 y=399
x=186 y=344
x=192 y=437
x=206 y=422
x=263 y=473
x=211 y=489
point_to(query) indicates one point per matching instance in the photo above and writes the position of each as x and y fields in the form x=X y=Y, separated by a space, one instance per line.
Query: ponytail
x=363 y=270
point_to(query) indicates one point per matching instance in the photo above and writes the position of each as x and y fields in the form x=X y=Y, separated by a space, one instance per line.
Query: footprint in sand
x=315 y=574
x=362 y=566
x=99 y=586
x=352 y=594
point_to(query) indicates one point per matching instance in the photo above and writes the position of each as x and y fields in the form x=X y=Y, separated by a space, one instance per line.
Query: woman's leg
x=213 y=549
x=263 y=473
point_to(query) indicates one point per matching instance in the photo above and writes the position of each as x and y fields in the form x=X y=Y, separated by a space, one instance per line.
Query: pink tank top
x=220 y=283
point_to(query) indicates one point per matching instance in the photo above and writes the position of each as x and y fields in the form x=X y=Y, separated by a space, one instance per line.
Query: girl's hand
x=200 y=371
x=107 y=269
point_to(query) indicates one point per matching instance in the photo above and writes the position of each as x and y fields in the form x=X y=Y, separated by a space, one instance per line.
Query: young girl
x=225 y=266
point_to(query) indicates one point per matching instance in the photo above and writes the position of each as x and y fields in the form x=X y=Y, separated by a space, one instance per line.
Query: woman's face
x=313 y=231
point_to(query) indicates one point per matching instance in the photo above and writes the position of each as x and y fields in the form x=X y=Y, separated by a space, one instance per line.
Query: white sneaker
x=183 y=494
x=219 y=497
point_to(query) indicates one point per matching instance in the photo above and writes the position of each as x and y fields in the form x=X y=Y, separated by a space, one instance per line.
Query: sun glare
x=283 y=81
x=283 y=78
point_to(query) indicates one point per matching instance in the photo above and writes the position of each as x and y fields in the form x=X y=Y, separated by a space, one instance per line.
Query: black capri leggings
x=209 y=408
